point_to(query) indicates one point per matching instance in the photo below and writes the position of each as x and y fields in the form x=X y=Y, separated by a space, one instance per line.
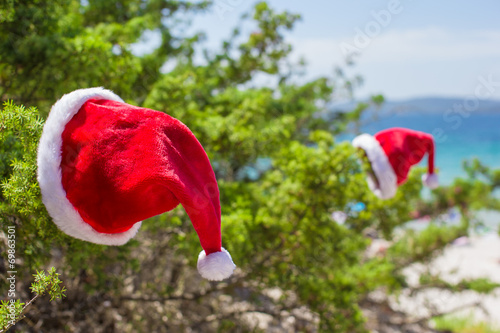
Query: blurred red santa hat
x=392 y=152
x=104 y=166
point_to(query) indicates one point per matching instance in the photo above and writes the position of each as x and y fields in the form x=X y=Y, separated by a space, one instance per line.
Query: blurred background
x=437 y=66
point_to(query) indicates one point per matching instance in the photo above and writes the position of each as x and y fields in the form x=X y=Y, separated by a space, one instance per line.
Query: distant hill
x=431 y=105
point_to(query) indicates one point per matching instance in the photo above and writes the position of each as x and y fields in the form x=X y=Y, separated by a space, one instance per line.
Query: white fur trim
x=430 y=180
x=216 y=266
x=65 y=216
x=387 y=180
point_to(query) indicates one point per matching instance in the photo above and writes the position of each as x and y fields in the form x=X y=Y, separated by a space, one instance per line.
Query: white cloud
x=432 y=44
x=411 y=62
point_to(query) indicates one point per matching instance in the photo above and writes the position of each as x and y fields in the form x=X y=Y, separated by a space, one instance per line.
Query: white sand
x=478 y=257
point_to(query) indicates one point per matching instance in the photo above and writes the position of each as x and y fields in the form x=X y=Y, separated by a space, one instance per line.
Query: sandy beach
x=466 y=258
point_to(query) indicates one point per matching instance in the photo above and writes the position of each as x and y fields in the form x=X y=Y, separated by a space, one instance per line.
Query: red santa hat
x=392 y=152
x=104 y=166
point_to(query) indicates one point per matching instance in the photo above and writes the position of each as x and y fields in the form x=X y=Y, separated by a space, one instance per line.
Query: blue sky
x=425 y=47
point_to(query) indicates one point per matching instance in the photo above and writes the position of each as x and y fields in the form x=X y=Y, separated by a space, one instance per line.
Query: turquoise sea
x=456 y=138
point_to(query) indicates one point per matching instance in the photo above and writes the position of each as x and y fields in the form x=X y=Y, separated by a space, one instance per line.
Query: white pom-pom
x=430 y=180
x=216 y=266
